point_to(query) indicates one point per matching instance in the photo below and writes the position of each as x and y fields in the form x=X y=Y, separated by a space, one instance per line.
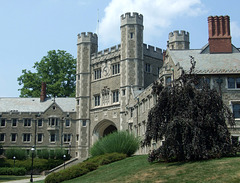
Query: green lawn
x=137 y=169
x=5 y=178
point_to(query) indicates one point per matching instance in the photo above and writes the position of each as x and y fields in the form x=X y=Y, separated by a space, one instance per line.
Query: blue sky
x=30 y=28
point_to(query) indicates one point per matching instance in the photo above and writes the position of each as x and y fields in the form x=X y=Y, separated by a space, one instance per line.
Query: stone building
x=44 y=123
x=114 y=88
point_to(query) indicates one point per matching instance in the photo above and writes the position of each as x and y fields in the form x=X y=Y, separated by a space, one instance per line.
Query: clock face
x=105 y=70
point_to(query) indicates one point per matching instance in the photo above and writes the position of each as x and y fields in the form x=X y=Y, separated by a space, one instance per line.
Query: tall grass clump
x=120 y=142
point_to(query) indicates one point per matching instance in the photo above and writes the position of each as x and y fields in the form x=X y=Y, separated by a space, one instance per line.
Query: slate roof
x=34 y=104
x=222 y=63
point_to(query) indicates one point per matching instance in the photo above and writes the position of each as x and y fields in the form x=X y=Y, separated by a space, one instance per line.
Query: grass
x=5 y=178
x=136 y=169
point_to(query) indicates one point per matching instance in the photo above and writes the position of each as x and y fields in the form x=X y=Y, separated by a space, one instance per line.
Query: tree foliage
x=57 y=69
x=192 y=122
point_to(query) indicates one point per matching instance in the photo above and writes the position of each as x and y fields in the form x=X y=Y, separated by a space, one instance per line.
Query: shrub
x=83 y=168
x=121 y=142
x=20 y=154
x=12 y=171
x=44 y=154
x=60 y=152
x=106 y=158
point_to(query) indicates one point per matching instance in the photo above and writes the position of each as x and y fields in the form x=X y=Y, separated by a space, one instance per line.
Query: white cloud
x=235 y=29
x=158 y=14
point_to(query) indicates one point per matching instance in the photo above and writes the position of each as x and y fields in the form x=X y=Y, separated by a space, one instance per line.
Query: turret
x=87 y=44
x=178 y=40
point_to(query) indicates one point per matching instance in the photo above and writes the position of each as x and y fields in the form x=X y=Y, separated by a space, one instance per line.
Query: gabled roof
x=207 y=63
x=34 y=104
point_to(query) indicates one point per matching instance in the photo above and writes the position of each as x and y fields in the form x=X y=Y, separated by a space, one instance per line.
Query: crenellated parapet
x=106 y=54
x=152 y=51
x=178 y=36
x=87 y=37
x=133 y=18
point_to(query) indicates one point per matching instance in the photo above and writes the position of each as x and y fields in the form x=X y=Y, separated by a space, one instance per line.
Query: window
x=67 y=138
x=123 y=92
x=116 y=69
x=131 y=112
x=236 y=110
x=40 y=137
x=67 y=122
x=14 y=122
x=52 y=138
x=40 y=122
x=84 y=123
x=53 y=121
x=3 y=122
x=13 y=137
x=97 y=74
x=115 y=96
x=131 y=35
x=26 y=137
x=27 y=122
x=168 y=80
x=233 y=83
x=202 y=82
x=2 y=135
x=147 y=68
x=97 y=100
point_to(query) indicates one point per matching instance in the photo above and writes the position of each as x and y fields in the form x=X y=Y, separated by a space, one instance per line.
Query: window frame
x=67 y=137
x=115 y=96
x=97 y=100
x=39 y=135
x=3 y=120
x=235 y=81
x=52 y=135
x=97 y=73
x=13 y=119
x=27 y=137
x=67 y=124
x=115 y=68
x=12 y=137
x=2 y=137
x=27 y=122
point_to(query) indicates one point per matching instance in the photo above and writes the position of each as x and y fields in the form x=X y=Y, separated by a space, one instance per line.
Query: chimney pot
x=43 y=92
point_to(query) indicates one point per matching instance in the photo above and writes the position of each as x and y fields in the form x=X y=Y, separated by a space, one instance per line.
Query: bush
x=121 y=142
x=43 y=154
x=70 y=173
x=20 y=154
x=106 y=158
x=12 y=171
x=83 y=168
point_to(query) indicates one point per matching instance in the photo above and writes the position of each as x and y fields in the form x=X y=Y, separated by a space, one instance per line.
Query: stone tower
x=87 y=44
x=178 y=40
x=132 y=73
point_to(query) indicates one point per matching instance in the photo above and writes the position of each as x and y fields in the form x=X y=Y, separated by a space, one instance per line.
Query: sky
x=31 y=28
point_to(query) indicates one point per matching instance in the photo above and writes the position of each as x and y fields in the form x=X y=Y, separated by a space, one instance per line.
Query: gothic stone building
x=114 y=88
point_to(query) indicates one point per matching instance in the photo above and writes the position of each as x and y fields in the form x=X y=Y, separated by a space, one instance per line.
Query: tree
x=57 y=69
x=191 y=122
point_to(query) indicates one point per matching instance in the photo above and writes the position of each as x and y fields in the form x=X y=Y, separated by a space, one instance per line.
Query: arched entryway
x=109 y=129
x=102 y=129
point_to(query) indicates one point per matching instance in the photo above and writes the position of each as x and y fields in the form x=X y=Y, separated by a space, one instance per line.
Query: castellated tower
x=178 y=40
x=132 y=51
x=87 y=44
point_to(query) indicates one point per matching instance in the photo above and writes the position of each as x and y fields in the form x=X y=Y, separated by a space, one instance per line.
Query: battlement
x=152 y=51
x=133 y=18
x=109 y=51
x=178 y=36
x=87 y=37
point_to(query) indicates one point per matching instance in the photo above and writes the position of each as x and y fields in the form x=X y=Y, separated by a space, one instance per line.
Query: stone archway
x=102 y=129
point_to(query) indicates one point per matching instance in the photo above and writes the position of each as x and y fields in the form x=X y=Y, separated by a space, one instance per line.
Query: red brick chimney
x=43 y=92
x=219 y=34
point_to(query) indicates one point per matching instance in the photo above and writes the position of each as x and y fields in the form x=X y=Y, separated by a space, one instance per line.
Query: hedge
x=83 y=168
x=12 y=171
